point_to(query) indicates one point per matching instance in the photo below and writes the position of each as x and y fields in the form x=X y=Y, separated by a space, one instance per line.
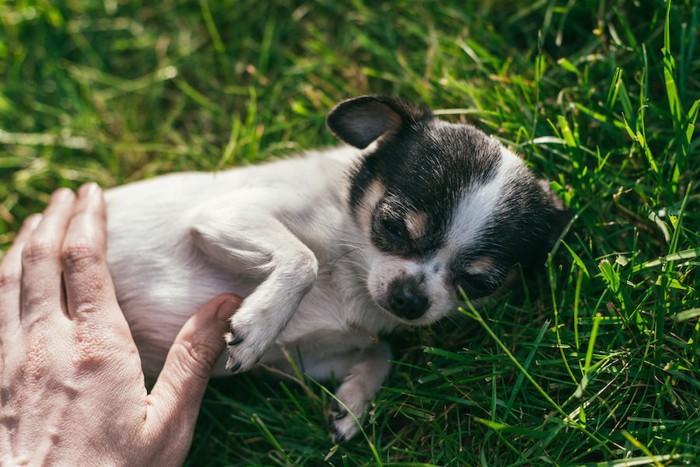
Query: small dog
x=332 y=249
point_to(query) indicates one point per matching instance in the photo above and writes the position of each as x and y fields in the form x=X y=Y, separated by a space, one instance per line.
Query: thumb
x=184 y=378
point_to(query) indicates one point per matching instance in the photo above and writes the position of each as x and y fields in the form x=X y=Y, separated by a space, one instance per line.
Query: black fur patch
x=426 y=166
x=521 y=230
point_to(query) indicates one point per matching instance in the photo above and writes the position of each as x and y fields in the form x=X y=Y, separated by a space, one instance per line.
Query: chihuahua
x=332 y=249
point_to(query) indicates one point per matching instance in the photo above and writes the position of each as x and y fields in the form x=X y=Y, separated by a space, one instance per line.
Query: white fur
x=476 y=205
x=280 y=235
x=178 y=240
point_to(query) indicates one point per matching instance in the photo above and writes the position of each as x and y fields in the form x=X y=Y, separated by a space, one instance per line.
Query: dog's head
x=444 y=206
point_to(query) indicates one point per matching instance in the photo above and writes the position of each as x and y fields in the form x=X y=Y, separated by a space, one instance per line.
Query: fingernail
x=32 y=222
x=89 y=189
x=61 y=195
x=228 y=308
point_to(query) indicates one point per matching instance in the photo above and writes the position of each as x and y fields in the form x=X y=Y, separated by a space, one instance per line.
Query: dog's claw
x=337 y=413
x=235 y=341
x=244 y=346
x=336 y=437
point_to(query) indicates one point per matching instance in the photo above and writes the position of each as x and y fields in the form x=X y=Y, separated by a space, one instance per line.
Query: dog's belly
x=157 y=303
x=157 y=300
x=314 y=338
x=160 y=284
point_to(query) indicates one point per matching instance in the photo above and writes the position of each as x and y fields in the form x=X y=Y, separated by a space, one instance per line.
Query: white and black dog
x=332 y=249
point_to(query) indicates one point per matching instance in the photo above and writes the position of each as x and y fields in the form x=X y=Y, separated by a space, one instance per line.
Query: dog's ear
x=560 y=215
x=554 y=223
x=361 y=120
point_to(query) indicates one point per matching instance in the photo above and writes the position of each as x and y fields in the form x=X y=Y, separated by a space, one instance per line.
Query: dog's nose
x=407 y=300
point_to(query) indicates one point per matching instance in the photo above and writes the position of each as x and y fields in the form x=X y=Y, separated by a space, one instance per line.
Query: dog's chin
x=426 y=319
x=385 y=309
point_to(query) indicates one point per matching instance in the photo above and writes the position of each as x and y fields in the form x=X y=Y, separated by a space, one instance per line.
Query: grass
x=597 y=365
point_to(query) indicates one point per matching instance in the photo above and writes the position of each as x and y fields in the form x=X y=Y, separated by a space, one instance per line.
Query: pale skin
x=71 y=389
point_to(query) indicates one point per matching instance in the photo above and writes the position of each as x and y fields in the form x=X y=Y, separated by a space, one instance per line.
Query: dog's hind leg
x=360 y=385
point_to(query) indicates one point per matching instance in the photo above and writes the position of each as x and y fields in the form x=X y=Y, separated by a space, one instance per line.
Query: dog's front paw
x=245 y=345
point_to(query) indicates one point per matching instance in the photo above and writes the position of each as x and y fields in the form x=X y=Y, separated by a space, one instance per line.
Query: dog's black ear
x=361 y=120
x=555 y=221
x=560 y=215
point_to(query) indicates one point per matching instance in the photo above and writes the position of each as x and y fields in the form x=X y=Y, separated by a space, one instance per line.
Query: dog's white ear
x=361 y=120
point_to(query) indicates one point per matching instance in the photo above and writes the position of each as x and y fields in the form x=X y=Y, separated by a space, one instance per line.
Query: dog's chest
x=334 y=306
x=335 y=317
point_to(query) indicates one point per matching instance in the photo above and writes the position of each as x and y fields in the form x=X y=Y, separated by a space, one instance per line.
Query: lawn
x=596 y=364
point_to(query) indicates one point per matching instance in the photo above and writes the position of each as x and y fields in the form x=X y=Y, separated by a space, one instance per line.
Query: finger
x=41 y=270
x=181 y=385
x=11 y=266
x=88 y=282
x=10 y=280
x=11 y=276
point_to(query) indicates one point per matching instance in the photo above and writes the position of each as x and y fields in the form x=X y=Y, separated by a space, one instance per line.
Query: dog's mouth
x=403 y=321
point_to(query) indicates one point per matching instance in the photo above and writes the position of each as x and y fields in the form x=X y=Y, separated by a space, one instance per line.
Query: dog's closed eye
x=394 y=228
x=474 y=285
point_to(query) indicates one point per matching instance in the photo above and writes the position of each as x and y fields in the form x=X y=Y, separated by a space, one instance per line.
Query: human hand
x=72 y=391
